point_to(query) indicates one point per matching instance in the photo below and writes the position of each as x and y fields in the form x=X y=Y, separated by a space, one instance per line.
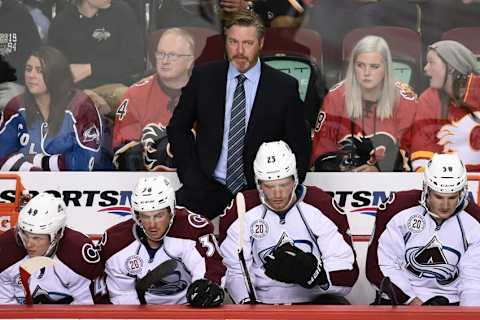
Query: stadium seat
x=405 y=45
x=468 y=36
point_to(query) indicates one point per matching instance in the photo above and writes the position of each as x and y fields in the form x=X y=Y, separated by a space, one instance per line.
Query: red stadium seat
x=405 y=45
x=468 y=36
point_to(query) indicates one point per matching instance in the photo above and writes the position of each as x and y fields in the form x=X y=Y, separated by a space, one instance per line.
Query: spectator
x=148 y=105
x=18 y=38
x=102 y=41
x=164 y=254
x=41 y=20
x=362 y=124
x=51 y=126
x=447 y=119
x=216 y=163
x=41 y=232
x=426 y=245
x=296 y=246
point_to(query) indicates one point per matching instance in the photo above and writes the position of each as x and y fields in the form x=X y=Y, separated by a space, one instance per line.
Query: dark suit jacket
x=277 y=114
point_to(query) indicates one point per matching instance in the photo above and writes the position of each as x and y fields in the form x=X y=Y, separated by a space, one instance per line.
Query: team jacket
x=190 y=241
x=334 y=125
x=76 y=146
x=424 y=259
x=77 y=263
x=459 y=132
x=314 y=226
x=143 y=103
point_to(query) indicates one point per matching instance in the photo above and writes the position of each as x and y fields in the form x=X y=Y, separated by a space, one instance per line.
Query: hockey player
x=296 y=246
x=41 y=231
x=164 y=254
x=426 y=245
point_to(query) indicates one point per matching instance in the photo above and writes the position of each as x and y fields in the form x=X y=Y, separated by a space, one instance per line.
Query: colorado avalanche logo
x=172 y=283
x=91 y=134
x=197 y=221
x=432 y=261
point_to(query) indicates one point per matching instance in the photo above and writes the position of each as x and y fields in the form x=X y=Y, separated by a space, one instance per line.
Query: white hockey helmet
x=153 y=193
x=274 y=160
x=44 y=214
x=445 y=173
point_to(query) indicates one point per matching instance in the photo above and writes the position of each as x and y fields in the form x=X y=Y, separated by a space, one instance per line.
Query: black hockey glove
x=129 y=157
x=205 y=293
x=436 y=301
x=156 y=148
x=290 y=264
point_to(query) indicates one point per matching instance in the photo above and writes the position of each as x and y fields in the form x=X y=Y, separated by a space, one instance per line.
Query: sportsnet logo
x=360 y=202
x=108 y=201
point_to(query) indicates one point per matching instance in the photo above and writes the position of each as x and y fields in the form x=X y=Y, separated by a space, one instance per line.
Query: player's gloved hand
x=290 y=264
x=156 y=155
x=436 y=301
x=205 y=293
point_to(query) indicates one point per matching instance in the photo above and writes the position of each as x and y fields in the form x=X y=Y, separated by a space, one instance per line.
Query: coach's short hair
x=246 y=18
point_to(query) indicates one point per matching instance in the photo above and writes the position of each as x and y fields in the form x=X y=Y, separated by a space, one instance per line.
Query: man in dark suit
x=208 y=164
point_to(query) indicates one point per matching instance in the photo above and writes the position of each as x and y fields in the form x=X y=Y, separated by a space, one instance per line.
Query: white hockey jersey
x=422 y=258
x=77 y=263
x=190 y=241
x=314 y=226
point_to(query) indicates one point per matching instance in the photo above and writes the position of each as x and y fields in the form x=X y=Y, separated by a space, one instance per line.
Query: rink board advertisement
x=96 y=201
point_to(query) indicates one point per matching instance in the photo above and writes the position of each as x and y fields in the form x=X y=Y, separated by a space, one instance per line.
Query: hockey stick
x=29 y=267
x=153 y=276
x=241 y=210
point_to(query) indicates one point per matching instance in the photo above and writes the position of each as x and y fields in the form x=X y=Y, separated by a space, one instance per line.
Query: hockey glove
x=290 y=264
x=154 y=276
x=205 y=293
x=129 y=157
x=436 y=301
x=156 y=148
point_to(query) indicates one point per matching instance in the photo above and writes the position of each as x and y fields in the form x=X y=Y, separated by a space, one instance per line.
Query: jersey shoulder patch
x=406 y=91
x=77 y=251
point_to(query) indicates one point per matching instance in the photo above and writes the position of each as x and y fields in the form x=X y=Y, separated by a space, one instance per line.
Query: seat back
x=468 y=36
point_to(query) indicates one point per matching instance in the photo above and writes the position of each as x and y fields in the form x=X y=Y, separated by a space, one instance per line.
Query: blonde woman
x=363 y=122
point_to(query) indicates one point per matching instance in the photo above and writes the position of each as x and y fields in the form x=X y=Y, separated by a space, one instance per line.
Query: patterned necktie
x=236 y=135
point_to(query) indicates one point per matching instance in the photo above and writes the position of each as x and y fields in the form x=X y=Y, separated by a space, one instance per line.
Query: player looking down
x=426 y=245
x=42 y=231
x=164 y=254
x=294 y=246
